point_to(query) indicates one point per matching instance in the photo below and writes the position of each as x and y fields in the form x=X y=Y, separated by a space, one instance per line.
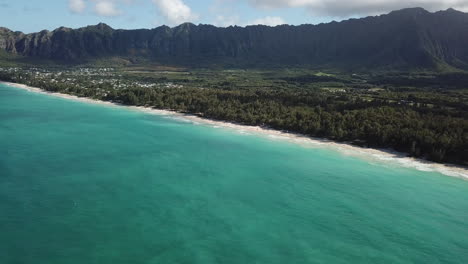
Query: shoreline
x=369 y=154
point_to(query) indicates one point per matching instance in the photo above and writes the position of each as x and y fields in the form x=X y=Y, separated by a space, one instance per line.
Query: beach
x=382 y=156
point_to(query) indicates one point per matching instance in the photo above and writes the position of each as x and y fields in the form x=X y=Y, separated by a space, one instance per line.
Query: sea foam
x=383 y=156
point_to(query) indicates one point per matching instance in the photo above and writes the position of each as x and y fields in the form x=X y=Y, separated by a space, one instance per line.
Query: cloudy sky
x=31 y=16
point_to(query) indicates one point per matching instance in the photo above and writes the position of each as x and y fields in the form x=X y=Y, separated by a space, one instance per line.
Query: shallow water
x=85 y=183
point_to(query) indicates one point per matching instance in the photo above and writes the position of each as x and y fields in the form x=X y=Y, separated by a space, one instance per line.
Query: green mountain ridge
x=405 y=39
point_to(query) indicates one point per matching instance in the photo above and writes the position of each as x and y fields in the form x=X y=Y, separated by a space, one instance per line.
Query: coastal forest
x=422 y=114
x=398 y=80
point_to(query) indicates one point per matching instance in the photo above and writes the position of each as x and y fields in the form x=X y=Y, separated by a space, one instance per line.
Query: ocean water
x=87 y=183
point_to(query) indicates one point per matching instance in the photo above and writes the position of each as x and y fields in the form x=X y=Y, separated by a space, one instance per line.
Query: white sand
x=379 y=155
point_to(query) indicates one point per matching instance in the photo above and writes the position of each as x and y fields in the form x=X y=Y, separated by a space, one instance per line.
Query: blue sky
x=32 y=16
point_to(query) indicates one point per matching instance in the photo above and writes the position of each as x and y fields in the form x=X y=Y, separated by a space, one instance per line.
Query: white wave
x=383 y=156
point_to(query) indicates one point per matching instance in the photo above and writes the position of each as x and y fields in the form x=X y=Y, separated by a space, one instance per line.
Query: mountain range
x=405 y=39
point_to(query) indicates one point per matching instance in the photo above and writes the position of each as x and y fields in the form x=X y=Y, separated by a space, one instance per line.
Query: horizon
x=218 y=26
x=148 y=14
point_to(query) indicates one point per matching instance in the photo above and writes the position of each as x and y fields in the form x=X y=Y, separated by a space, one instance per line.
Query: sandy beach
x=382 y=156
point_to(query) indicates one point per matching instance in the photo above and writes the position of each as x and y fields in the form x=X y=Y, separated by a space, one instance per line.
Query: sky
x=35 y=15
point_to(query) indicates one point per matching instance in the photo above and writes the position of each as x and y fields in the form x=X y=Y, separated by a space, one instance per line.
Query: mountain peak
x=410 y=11
x=66 y=29
x=4 y=30
x=452 y=11
x=101 y=26
x=185 y=25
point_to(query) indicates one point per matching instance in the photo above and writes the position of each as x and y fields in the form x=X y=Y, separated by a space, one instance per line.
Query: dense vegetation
x=415 y=113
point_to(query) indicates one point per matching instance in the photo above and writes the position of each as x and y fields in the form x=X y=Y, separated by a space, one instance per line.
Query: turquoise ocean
x=84 y=183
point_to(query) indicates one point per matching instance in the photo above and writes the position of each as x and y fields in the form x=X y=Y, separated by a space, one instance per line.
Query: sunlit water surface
x=86 y=183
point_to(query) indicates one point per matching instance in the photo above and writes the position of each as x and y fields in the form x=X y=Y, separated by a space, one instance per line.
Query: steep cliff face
x=404 y=38
x=8 y=40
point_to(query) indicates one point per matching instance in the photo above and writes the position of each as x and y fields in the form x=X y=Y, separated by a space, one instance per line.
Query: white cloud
x=268 y=21
x=77 y=6
x=106 y=8
x=344 y=8
x=175 y=11
x=226 y=21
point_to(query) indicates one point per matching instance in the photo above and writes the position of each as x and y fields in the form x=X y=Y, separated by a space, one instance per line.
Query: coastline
x=370 y=154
